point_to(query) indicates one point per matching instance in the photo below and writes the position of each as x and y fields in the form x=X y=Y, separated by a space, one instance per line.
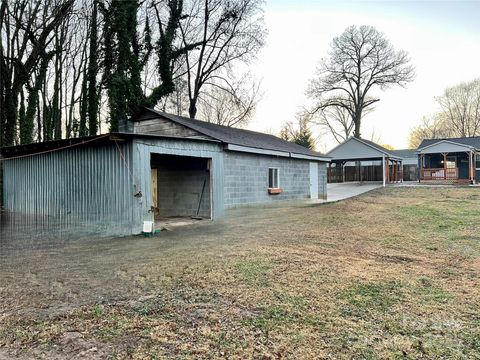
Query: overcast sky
x=441 y=37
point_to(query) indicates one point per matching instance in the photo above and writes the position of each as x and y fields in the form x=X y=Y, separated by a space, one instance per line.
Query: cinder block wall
x=179 y=192
x=246 y=179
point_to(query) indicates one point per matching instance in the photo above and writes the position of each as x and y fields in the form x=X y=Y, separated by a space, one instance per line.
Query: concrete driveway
x=340 y=191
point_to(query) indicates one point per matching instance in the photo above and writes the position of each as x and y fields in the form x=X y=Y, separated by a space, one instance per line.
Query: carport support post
x=445 y=165
x=401 y=171
x=474 y=167
x=394 y=170
x=470 y=166
x=387 y=169
x=383 y=169
x=420 y=174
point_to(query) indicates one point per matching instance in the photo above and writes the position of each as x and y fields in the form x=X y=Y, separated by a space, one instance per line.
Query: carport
x=361 y=160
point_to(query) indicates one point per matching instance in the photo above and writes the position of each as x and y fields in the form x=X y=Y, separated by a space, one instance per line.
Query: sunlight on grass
x=253 y=272
x=366 y=298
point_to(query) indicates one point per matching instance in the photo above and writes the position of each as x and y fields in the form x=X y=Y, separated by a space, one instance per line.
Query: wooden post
x=470 y=172
x=444 y=166
x=387 y=167
x=420 y=176
x=401 y=171
x=359 y=171
x=396 y=171
x=393 y=171
x=474 y=167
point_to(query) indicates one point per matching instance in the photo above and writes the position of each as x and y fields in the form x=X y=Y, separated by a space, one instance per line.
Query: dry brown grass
x=391 y=274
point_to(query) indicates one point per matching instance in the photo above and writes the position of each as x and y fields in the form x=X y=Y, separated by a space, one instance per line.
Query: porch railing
x=439 y=174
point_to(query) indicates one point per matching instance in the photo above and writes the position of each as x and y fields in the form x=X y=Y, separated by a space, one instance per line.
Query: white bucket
x=148 y=226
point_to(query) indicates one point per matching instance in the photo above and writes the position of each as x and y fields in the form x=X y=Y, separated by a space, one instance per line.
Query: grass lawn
x=394 y=273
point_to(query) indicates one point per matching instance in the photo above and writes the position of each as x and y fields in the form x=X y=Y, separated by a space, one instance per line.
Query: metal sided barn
x=159 y=166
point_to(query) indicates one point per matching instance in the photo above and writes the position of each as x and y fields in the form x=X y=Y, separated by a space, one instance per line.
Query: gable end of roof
x=445 y=141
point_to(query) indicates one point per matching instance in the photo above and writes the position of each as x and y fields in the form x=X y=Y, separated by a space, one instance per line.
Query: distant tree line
x=72 y=68
x=459 y=115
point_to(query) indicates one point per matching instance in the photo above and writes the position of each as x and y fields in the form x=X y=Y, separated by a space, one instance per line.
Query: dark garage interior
x=180 y=186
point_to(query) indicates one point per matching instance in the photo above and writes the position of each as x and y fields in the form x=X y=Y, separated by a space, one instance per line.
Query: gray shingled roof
x=405 y=153
x=338 y=152
x=470 y=141
x=237 y=136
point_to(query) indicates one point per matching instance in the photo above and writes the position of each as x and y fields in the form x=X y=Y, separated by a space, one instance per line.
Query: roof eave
x=288 y=154
x=420 y=149
x=387 y=154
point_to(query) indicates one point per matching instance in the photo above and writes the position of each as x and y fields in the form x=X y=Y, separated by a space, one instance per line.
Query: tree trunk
x=357 y=121
x=27 y=124
x=192 y=109
x=92 y=75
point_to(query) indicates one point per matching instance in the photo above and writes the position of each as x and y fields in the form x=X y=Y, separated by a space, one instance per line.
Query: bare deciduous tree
x=461 y=108
x=28 y=28
x=230 y=106
x=229 y=32
x=337 y=121
x=360 y=60
x=434 y=127
x=460 y=115
x=71 y=67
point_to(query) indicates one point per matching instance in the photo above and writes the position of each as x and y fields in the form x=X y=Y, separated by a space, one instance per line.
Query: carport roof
x=360 y=149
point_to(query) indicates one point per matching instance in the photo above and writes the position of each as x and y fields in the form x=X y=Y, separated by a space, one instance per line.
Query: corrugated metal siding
x=85 y=189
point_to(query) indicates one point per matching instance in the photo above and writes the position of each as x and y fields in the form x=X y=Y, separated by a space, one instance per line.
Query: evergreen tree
x=304 y=138
x=299 y=132
x=122 y=63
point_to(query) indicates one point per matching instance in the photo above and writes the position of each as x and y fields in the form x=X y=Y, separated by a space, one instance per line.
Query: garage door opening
x=181 y=189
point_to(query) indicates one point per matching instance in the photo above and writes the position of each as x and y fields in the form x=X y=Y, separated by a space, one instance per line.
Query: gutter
x=253 y=150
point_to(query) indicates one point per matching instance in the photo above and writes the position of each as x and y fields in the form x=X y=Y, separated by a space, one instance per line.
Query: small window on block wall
x=273 y=178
